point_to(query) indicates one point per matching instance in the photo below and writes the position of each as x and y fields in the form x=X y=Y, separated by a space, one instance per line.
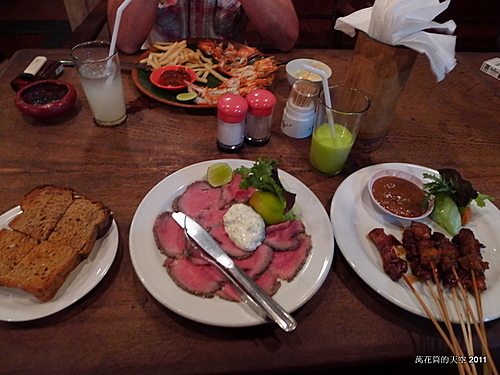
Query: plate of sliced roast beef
x=290 y=264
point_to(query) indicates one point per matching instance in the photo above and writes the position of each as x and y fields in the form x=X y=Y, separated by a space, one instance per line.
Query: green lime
x=219 y=174
x=269 y=206
x=186 y=96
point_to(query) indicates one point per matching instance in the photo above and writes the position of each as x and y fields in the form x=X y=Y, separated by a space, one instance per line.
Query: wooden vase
x=381 y=71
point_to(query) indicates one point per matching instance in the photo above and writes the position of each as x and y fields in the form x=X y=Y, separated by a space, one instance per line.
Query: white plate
x=19 y=306
x=147 y=259
x=354 y=215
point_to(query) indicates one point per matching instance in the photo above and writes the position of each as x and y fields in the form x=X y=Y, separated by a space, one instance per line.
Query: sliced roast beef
x=287 y=264
x=269 y=282
x=201 y=280
x=199 y=196
x=231 y=193
x=282 y=237
x=220 y=235
x=169 y=236
x=258 y=262
x=210 y=216
x=228 y=293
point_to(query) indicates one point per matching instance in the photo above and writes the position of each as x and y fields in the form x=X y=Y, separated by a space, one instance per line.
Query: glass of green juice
x=337 y=122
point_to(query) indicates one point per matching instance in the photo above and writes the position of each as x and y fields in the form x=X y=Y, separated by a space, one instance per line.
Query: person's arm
x=136 y=23
x=275 y=20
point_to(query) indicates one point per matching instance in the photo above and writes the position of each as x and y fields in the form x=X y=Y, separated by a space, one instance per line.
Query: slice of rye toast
x=84 y=221
x=13 y=247
x=42 y=208
x=43 y=271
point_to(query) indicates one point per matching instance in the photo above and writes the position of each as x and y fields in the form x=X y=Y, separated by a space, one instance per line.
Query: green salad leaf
x=263 y=176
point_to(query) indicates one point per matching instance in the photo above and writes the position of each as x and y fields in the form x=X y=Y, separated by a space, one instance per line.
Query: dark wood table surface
x=120 y=328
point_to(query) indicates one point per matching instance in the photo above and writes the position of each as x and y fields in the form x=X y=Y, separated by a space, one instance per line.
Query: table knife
x=258 y=298
x=123 y=65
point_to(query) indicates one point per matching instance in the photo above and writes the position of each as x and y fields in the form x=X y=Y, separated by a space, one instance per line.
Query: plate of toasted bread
x=54 y=248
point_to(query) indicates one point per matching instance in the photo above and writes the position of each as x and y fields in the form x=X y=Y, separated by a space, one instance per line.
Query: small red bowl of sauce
x=46 y=99
x=172 y=77
x=399 y=193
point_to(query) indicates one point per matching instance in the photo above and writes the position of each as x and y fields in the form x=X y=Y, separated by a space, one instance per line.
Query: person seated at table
x=146 y=21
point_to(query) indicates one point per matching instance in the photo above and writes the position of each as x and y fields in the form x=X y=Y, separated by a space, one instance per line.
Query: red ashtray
x=46 y=99
x=172 y=77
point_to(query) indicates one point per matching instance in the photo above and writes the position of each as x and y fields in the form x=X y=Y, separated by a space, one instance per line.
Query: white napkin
x=401 y=22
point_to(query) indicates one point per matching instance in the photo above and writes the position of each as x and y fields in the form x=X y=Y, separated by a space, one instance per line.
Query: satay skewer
x=441 y=304
x=480 y=334
x=479 y=307
x=466 y=329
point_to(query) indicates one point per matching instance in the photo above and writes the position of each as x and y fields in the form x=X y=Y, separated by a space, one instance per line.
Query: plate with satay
x=354 y=215
x=221 y=67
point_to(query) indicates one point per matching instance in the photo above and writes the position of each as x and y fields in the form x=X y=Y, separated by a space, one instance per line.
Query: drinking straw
x=326 y=91
x=116 y=27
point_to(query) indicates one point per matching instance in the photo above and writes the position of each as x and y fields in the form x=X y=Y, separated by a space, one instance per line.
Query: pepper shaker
x=231 y=114
x=259 y=117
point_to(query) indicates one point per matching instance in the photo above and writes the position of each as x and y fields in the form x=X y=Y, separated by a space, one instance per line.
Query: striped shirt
x=182 y=19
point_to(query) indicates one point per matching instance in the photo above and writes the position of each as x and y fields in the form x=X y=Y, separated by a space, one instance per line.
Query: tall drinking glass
x=336 y=127
x=101 y=79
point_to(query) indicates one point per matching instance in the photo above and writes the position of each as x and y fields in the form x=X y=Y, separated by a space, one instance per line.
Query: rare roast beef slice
x=228 y=293
x=287 y=264
x=219 y=233
x=258 y=262
x=210 y=216
x=201 y=280
x=282 y=237
x=198 y=196
x=231 y=193
x=269 y=282
x=169 y=236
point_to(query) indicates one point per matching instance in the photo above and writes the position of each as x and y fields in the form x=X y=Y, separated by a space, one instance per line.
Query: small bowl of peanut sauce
x=399 y=194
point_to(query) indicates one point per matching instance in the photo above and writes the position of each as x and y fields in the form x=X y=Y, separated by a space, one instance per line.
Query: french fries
x=178 y=53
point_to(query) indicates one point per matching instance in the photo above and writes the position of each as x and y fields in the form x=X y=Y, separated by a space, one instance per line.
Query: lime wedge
x=186 y=96
x=219 y=174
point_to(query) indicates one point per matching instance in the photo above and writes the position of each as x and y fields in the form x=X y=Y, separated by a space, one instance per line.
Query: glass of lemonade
x=100 y=75
x=336 y=127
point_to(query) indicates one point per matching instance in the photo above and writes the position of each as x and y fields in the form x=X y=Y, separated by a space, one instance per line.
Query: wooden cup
x=381 y=71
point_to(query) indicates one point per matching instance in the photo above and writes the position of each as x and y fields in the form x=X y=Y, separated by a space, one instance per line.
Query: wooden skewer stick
x=429 y=314
x=479 y=307
x=476 y=326
x=441 y=304
x=466 y=331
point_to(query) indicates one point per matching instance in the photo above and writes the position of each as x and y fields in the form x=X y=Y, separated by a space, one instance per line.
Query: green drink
x=328 y=154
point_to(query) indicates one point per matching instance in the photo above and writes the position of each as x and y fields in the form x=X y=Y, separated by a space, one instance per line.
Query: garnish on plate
x=452 y=198
x=263 y=176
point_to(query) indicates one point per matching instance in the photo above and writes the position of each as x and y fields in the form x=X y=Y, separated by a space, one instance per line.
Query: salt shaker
x=231 y=114
x=259 y=117
x=299 y=113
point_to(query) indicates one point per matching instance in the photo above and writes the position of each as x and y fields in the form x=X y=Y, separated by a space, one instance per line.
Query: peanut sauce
x=399 y=196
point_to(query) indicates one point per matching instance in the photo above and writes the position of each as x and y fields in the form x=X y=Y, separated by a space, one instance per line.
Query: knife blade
x=255 y=294
x=123 y=65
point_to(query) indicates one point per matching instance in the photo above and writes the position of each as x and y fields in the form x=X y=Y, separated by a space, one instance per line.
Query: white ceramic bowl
x=401 y=174
x=294 y=69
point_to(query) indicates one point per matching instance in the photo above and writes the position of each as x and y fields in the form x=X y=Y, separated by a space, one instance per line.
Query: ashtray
x=399 y=194
x=46 y=99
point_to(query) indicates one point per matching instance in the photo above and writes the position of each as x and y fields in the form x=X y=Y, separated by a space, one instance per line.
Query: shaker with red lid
x=259 y=117
x=231 y=113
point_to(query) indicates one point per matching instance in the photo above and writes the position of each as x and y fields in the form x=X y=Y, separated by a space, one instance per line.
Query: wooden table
x=120 y=328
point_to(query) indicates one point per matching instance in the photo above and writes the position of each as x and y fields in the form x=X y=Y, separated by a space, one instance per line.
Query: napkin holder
x=381 y=71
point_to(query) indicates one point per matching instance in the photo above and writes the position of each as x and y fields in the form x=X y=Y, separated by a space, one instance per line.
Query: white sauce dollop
x=244 y=226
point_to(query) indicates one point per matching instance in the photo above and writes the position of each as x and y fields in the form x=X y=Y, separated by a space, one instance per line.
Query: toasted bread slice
x=43 y=271
x=14 y=246
x=42 y=209
x=81 y=224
